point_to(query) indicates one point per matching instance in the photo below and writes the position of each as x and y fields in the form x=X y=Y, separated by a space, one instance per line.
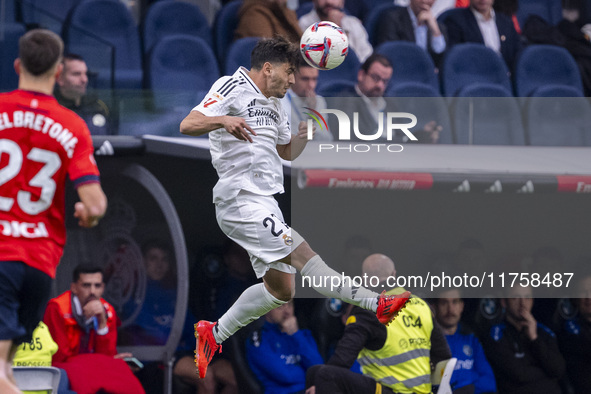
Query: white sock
x=329 y=283
x=253 y=303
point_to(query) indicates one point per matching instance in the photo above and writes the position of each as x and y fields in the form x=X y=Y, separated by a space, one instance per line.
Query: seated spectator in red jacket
x=85 y=328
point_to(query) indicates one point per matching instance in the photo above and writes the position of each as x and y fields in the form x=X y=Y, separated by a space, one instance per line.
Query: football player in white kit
x=248 y=134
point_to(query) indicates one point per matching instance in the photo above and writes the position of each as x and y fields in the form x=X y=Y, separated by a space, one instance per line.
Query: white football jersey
x=255 y=167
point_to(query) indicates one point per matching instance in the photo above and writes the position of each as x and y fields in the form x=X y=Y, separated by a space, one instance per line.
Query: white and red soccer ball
x=324 y=45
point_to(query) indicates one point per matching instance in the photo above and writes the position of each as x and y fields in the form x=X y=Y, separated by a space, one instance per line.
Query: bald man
x=393 y=359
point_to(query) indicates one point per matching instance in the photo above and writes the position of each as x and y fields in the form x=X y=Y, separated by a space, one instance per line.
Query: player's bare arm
x=92 y=205
x=196 y=124
x=297 y=144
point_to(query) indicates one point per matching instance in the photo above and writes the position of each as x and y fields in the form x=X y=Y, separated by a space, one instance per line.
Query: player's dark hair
x=276 y=50
x=72 y=56
x=375 y=57
x=86 y=269
x=40 y=50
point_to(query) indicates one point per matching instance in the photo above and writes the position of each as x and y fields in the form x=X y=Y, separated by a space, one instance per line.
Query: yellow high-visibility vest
x=39 y=351
x=403 y=363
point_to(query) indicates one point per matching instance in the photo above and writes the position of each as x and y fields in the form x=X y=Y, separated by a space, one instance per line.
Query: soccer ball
x=324 y=45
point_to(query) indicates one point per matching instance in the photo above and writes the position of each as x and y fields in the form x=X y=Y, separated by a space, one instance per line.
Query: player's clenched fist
x=238 y=128
x=83 y=216
x=303 y=130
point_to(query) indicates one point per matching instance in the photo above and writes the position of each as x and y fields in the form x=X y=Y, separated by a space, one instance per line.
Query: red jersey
x=40 y=143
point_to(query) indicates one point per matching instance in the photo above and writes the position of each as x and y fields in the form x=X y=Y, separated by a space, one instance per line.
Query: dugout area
x=511 y=199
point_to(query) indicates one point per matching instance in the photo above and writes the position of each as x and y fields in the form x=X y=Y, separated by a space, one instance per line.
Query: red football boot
x=390 y=305
x=206 y=346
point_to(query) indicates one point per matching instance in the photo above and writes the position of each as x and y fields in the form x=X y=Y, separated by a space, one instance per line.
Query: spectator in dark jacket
x=480 y=24
x=523 y=353
x=71 y=92
x=415 y=23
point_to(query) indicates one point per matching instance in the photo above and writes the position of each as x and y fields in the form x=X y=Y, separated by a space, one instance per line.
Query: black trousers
x=330 y=379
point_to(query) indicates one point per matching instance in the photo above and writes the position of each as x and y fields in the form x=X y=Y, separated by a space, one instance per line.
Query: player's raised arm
x=197 y=124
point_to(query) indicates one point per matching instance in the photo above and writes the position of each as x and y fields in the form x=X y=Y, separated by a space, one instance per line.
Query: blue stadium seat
x=346 y=71
x=239 y=54
x=173 y=17
x=11 y=32
x=47 y=14
x=359 y=9
x=484 y=89
x=478 y=120
x=468 y=63
x=541 y=65
x=8 y=11
x=549 y=10
x=412 y=89
x=558 y=122
x=410 y=62
x=223 y=28
x=372 y=20
x=338 y=88
x=557 y=91
x=105 y=34
x=181 y=62
x=180 y=70
x=304 y=8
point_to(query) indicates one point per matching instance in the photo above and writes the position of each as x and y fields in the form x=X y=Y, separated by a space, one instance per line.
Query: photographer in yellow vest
x=394 y=359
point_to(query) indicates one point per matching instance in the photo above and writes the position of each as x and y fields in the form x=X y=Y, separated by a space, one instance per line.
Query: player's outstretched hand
x=238 y=128
x=84 y=219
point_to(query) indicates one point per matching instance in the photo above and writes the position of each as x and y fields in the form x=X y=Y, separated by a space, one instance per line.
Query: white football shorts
x=256 y=223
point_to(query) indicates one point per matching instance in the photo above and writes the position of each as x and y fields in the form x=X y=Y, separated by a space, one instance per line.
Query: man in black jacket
x=522 y=352
x=480 y=24
x=415 y=23
x=71 y=92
